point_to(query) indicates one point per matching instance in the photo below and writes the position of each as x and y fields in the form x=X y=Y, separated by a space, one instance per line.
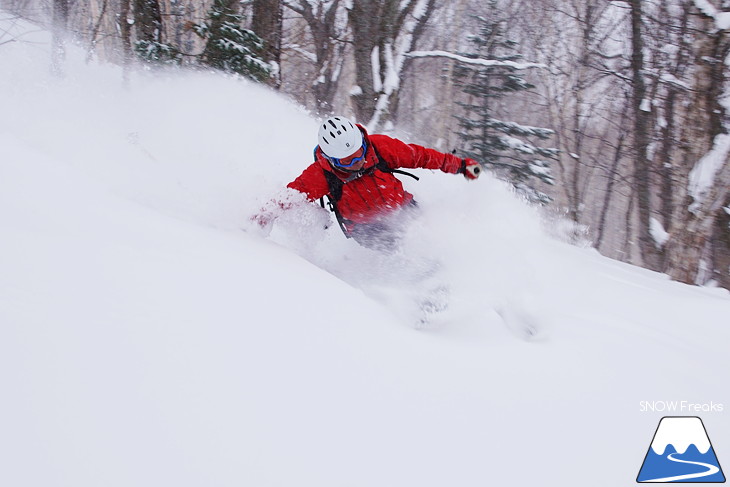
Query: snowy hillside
x=150 y=336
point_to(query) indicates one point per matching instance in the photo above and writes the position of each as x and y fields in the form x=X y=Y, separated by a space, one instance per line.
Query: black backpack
x=335 y=186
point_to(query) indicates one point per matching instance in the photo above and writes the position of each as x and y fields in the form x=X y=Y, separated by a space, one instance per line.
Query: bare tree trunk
x=95 y=31
x=148 y=20
x=627 y=247
x=689 y=241
x=125 y=32
x=696 y=212
x=665 y=165
x=721 y=246
x=640 y=107
x=672 y=98
x=688 y=245
x=327 y=24
x=383 y=32
x=364 y=19
x=267 y=23
x=60 y=26
x=612 y=176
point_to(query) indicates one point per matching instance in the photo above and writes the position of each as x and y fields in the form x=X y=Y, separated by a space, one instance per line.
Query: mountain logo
x=681 y=452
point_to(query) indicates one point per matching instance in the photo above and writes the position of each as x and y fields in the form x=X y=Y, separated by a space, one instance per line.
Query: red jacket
x=376 y=193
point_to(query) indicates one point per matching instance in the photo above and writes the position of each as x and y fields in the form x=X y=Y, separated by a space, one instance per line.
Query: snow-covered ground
x=150 y=336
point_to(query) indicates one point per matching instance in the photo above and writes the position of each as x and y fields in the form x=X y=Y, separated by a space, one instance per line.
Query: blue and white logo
x=681 y=452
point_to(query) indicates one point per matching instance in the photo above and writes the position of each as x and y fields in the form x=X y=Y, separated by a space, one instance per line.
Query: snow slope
x=149 y=336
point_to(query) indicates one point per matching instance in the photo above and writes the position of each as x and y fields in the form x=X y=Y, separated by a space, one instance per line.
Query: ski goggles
x=349 y=161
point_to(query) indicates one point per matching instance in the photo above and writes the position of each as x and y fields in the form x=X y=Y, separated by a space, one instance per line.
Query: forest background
x=610 y=114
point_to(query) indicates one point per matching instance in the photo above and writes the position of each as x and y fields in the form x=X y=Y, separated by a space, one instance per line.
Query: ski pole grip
x=470 y=171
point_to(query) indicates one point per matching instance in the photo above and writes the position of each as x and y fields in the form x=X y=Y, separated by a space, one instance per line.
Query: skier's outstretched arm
x=398 y=154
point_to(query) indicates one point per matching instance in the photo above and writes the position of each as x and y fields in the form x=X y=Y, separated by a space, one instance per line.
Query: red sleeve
x=399 y=154
x=311 y=182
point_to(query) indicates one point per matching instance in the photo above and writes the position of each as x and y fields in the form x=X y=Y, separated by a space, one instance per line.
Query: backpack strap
x=384 y=167
x=335 y=193
x=335 y=185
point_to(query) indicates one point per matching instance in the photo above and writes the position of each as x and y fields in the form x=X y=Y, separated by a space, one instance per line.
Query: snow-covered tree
x=328 y=27
x=702 y=168
x=157 y=52
x=150 y=45
x=501 y=145
x=267 y=23
x=384 y=32
x=582 y=95
x=681 y=171
x=229 y=46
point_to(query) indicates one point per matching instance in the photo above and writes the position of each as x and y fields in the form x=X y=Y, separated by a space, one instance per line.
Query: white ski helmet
x=339 y=137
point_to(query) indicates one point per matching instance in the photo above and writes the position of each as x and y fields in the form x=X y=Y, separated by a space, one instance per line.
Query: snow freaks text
x=684 y=407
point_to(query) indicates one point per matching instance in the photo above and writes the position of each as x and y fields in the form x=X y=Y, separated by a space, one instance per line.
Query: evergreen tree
x=499 y=144
x=157 y=52
x=148 y=24
x=229 y=46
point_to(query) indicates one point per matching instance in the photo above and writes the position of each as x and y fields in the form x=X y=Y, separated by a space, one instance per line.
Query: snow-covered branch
x=722 y=19
x=709 y=170
x=480 y=62
x=387 y=75
x=309 y=56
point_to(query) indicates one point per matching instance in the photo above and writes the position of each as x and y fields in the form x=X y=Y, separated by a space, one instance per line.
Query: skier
x=355 y=171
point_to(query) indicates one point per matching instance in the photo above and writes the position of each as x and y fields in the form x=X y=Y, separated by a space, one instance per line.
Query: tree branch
x=480 y=62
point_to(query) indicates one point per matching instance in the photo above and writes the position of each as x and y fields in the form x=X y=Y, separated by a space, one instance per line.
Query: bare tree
x=641 y=139
x=327 y=22
x=5 y=35
x=671 y=26
x=721 y=246
x=384 y=32
x=148 y=21
x=125 y=32
x=704 y=170
x=267 y=23
x=96 y=28
x=426 y=105
x=613 y=175
x=60 y=25
x=583 y=97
